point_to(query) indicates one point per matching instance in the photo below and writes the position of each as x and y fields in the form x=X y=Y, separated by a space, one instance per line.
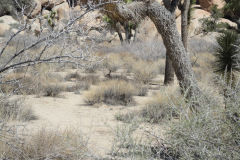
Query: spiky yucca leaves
x=227 y=54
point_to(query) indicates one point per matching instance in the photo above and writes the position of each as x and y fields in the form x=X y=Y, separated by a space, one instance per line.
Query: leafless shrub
x=111 y=92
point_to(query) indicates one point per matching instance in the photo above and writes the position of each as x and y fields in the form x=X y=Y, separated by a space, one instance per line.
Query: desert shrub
x=211 y=133
x=144 y=72
x=82 y=82
x=72 y=76
x=78 y=86
x=126 y=117
x=163 y=106
x=111 y=92
x=14 y=109
x=18 y=84
x=45 y=144
x=52 y=90
x=142 y=89
x=112 y=63
x=91 y=79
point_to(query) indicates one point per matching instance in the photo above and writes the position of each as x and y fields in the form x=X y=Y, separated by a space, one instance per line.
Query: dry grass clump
x=162 y=106
x=82 y=82
x=144 y=71
x=112 y=63
x=52 y=90
x=18 y=83
x=14 y=109
x=126 y=117
x=112 y=92
x=45 y=144
x=91 y=79
x=142 y=89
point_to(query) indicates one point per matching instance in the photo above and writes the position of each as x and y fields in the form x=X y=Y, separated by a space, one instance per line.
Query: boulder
x=49 y=4
x=62 y=11
x=208 y=4
x=37 y=8
x=4 y=28
x=8 y=20
x=232 y=24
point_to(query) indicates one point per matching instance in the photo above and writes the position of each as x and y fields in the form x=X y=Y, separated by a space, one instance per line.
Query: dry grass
x=112 y=63
x=111 y=92
x=144 y=71
x=45 y=144
x=162 y=106
x=14 y=109
x=18 y=83
x=52 y=90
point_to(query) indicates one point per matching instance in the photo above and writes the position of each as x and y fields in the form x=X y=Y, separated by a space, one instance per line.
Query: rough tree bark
x=165 y=23
x=170 y=5
x=184 y=22
x=169 y=71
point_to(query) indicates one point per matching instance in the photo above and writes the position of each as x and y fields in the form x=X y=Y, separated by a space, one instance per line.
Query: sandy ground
x=96 y=123
x=69 y=111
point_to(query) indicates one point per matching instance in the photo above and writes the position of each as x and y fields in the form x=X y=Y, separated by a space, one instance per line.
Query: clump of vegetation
x=112 y=63
x=212 y=133
x=162 y=106
x=212 y=24
x=227 y=60
x=18 y=83
x=114 y=92
x=52 y=90
x=14 y=109
x=91 y=79
x=143 y=71
x=142 y=89
x=126 y=117
x=45 y=144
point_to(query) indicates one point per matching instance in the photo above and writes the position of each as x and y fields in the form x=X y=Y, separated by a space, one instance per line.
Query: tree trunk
x=165 y=23
x=169 y=71
x=166 y=26
x=184 y=22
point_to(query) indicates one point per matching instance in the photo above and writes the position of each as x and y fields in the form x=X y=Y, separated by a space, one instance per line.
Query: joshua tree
x=165 y=23
x=185 y=20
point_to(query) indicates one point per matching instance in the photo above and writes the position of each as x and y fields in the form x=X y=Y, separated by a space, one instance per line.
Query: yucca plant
x=227 y=55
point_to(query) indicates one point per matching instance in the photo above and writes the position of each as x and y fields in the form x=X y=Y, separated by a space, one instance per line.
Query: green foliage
x=226 y=53
x=211 y=23
x=128 y=1
x=51 y=18
x=232 y=9
x=107 y=19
